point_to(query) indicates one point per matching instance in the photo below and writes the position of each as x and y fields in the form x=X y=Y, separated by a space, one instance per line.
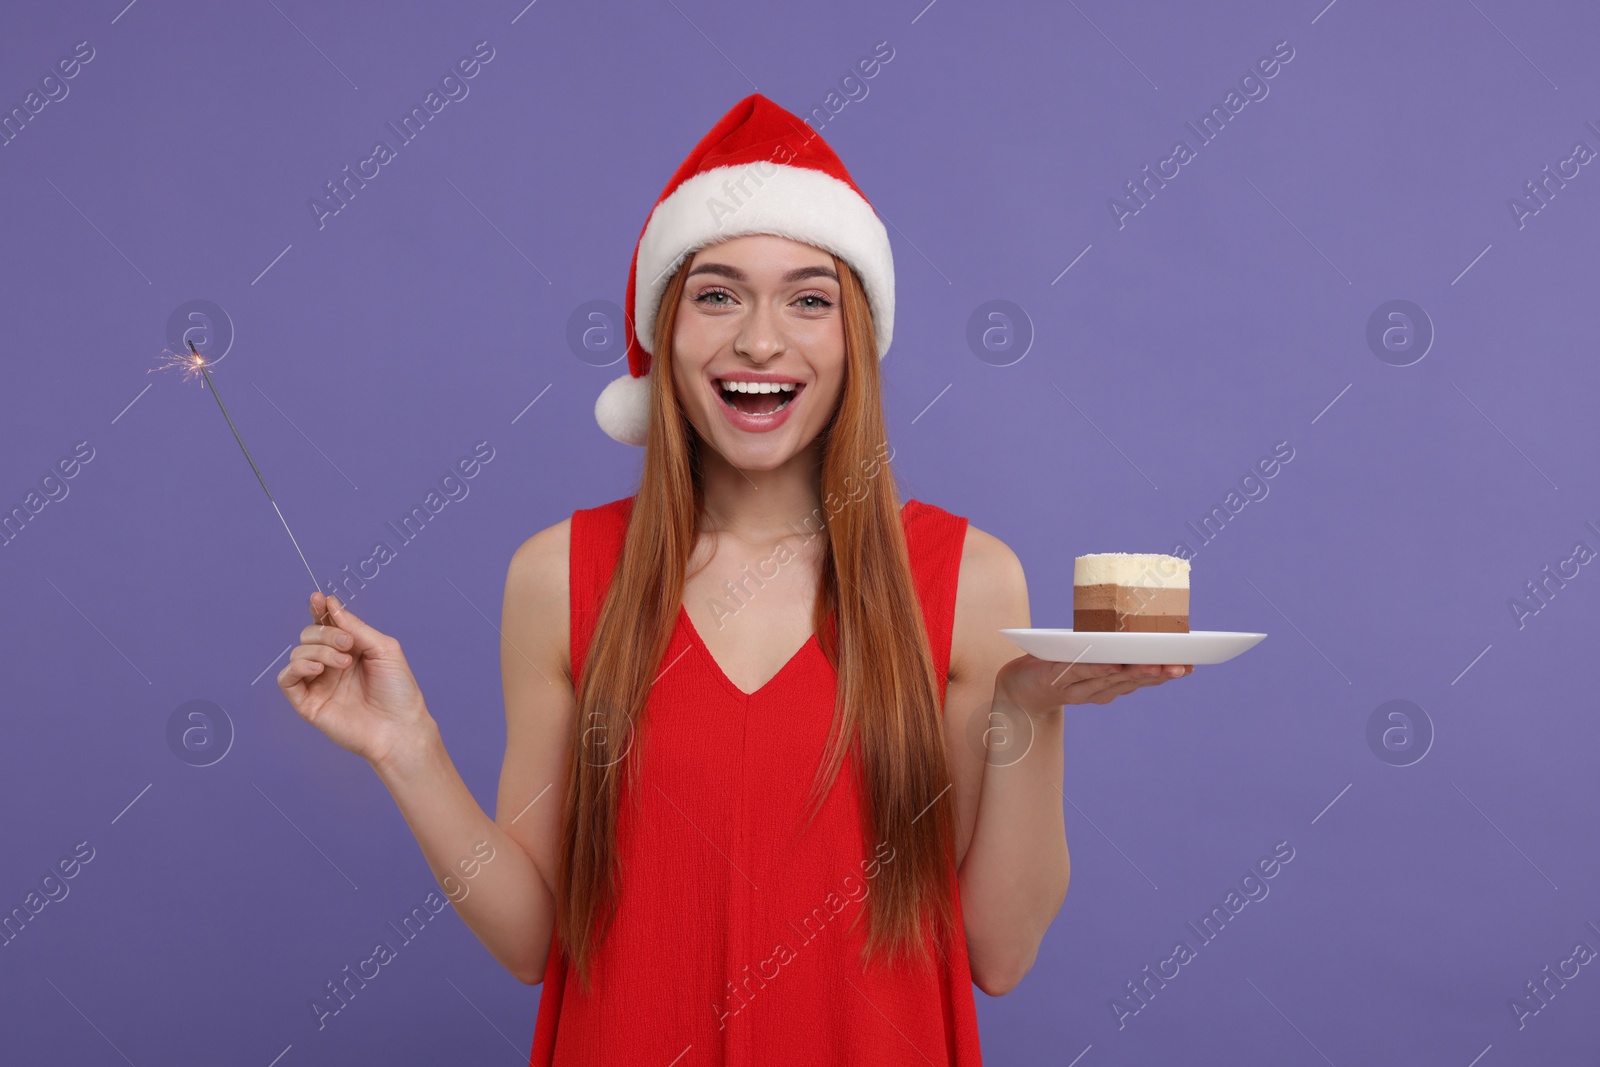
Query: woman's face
x=759 y=309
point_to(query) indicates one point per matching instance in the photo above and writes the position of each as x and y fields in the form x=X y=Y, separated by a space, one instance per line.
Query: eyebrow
x=735 y=274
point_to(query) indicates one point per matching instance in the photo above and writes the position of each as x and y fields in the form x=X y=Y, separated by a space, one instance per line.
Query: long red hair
x=887 y=705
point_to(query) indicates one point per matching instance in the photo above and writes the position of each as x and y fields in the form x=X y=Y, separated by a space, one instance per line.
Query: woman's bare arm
x=536 y=675
x=1004 y=727
x=1014 y=861
x=509 y=901
x=366 y=700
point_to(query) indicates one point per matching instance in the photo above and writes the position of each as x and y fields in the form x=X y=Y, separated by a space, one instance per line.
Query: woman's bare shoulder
x=990 y=570
x=537 y=598
x=538 y=580
x=991 y=594
x=541 y=564
x=545 y=555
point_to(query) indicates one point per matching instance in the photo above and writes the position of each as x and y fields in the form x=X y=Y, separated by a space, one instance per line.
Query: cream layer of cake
x=1130 y=592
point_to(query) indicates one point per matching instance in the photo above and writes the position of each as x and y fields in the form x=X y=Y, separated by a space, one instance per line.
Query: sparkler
x=194 y=366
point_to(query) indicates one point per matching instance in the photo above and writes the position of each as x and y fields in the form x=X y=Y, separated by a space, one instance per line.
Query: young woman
x=745 y=813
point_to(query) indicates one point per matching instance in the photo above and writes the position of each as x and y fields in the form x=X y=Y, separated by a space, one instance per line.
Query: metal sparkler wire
x=200 y=363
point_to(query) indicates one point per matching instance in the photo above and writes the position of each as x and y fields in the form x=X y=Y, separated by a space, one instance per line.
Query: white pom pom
x=623 y=409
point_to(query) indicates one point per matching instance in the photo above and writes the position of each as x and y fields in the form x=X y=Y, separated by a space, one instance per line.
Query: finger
x=292 y=679
x=322 y=654
x=1073 y=673
x=319 y=607
x=1091 y=689
x=1066 y=674
x=366 y=638
x=1116 y=690
x=1079 y=683
x=327 y=635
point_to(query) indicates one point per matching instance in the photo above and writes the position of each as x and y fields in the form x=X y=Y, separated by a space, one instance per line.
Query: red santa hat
x=759 y=170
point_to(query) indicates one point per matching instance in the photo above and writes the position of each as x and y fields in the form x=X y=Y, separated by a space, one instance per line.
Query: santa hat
x=759 y=170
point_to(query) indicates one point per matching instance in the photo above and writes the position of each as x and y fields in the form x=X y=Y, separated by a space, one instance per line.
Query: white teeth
x=758 y=387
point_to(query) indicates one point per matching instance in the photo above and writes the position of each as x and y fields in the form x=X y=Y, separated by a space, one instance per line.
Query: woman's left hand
x=1043 y=686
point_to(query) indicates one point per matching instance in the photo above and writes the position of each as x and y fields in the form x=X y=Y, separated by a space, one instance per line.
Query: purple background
x=1229 y=314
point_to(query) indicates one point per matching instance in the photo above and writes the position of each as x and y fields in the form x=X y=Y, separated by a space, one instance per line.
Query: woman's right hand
x=353 y=683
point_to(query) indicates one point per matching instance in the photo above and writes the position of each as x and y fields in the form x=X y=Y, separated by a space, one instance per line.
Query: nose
x=760 y=336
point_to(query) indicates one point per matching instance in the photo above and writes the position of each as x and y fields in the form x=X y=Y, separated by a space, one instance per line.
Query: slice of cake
x=1130 y=591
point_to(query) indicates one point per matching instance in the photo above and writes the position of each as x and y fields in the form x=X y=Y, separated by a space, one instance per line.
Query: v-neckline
x=722 y=675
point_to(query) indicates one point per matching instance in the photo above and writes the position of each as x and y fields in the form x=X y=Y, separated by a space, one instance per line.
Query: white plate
x=1069 y=646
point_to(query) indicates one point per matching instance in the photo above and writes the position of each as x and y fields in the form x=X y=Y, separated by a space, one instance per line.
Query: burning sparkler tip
x=191 y=365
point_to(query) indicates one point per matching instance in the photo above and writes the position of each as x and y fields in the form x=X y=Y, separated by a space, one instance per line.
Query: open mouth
x=758 y=398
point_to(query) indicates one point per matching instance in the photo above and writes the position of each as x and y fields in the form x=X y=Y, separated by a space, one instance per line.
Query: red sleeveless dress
x=732 y=943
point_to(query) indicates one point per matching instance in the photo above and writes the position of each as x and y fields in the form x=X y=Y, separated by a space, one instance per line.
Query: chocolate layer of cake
x=1130 y=592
